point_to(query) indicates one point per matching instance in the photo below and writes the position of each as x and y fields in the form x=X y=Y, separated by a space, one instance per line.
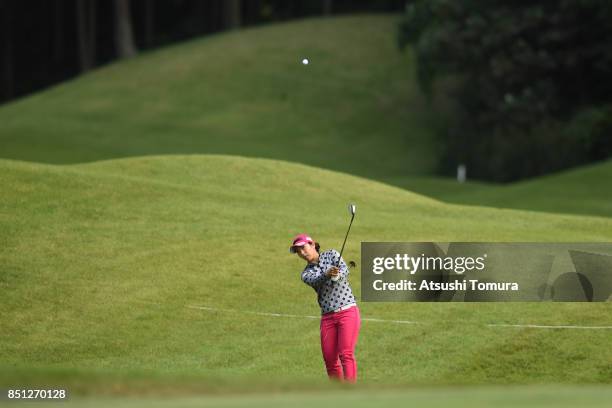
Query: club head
x=352 y=209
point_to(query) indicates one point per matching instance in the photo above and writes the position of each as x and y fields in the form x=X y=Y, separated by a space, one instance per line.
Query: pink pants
x=339 y=332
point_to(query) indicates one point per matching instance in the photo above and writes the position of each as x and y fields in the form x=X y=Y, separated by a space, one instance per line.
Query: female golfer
x=327 y=274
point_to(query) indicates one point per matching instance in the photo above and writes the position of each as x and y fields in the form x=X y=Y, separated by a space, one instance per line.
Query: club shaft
x=345 y=237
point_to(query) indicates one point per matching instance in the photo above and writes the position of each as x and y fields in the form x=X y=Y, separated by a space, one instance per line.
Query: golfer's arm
x=342 y=267
x=314 y=278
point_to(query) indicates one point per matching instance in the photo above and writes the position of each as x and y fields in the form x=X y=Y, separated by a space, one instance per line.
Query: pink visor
x=300 y=240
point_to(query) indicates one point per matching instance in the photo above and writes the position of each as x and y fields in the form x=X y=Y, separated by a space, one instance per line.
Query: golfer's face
x=307 y=252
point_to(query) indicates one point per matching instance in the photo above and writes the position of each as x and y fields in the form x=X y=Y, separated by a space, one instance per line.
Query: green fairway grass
x=100 y=261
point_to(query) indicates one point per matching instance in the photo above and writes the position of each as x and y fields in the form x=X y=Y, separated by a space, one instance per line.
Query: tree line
x=521 y=88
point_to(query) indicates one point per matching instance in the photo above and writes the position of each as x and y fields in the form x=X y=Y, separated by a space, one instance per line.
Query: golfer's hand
x=333 y=271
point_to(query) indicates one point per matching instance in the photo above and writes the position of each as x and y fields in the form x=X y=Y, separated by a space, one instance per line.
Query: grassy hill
x=107 y=267
x=99 y=262
x=584 y=190
x=354 y=108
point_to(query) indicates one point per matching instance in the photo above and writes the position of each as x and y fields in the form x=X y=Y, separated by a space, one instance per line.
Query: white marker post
x=461 y=173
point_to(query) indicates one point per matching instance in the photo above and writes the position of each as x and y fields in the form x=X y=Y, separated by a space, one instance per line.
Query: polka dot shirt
x=330 y=295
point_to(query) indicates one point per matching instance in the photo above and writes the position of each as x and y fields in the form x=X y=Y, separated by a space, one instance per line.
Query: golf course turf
x=147 y=208
x=356 y=108
x=101 y=260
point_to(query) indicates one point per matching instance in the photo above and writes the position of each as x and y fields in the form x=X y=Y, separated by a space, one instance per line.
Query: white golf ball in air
x=305 y=61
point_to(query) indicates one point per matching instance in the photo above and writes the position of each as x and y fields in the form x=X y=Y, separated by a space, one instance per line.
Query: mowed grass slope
x=583 y=190
x=355 y=108
x=99 y=262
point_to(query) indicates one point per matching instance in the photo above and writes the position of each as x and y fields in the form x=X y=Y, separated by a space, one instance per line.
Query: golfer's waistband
x=341 y=308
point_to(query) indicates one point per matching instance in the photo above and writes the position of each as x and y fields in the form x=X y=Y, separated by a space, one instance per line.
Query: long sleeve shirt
x=330 y=294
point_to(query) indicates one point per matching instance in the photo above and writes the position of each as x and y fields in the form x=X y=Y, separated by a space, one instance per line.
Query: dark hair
x=317 y=247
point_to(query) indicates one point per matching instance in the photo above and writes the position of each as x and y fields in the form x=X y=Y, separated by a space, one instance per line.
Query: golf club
x=352 y=209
